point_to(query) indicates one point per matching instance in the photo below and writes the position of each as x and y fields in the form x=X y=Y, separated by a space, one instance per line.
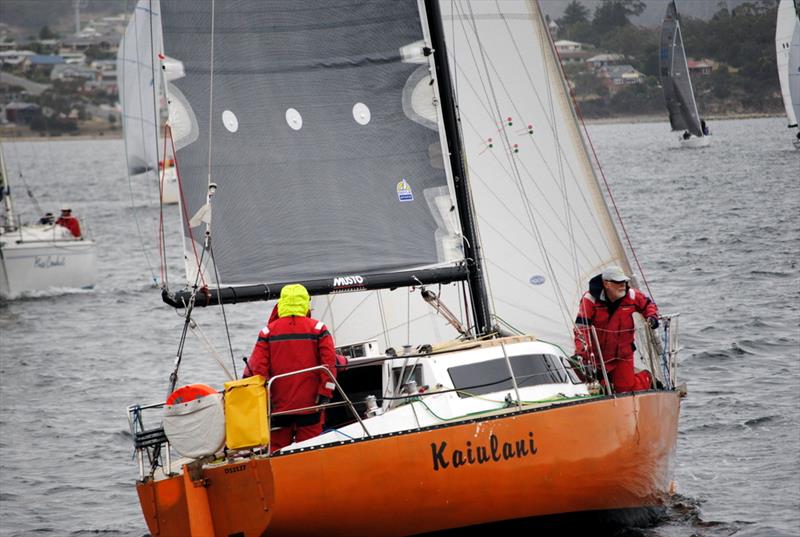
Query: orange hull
x=594 y=455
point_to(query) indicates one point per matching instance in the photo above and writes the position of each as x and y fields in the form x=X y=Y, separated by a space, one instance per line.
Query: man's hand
x=653 y=322
x=322 y=400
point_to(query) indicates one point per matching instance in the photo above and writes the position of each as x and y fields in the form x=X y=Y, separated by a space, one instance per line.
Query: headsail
x=787 y=48
x=140 y=74
x=674 y=73
x=323 y=139
x=544 y=226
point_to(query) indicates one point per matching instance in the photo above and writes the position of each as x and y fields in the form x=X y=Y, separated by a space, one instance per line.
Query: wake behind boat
x=447 y=253
x=677 y=84
x=40 y=256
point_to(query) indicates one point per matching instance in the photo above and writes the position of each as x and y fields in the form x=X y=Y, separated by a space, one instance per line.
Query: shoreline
x=649 y=118
x=7 y=135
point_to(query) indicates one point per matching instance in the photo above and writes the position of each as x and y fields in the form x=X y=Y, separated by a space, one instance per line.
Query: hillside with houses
x=53 y=85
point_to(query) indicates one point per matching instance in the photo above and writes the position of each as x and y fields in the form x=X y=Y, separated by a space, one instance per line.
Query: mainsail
x=323 y=140
x=674 y=72
x=139 y=88
x=787 y=47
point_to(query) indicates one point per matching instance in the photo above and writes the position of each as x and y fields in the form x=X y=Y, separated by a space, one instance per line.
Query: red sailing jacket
x=614 y=326
x=71 y=223
x=289 y=344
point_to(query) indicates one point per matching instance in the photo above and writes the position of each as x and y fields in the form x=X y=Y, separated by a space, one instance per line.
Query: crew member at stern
x=288 y=343
x=609 y=306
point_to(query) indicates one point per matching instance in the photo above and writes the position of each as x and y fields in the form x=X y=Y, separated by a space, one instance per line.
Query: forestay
x=323 y=139
x=139 y=73
x=675 y=79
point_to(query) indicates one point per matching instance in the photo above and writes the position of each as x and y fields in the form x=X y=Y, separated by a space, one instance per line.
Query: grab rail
x=326 y=405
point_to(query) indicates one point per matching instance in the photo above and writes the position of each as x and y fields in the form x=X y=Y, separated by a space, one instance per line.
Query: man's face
x=614 y=290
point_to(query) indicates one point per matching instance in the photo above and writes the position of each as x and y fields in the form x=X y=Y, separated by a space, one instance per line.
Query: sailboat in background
x=419 y=167
x=40 y=256
x=787 y=48
x=141 y=98
x=677 y=84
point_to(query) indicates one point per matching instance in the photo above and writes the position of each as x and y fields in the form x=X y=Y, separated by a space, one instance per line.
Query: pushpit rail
x=152 y=445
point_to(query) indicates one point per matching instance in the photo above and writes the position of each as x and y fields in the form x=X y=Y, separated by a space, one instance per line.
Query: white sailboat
x=40 y=257
x=677 y=84
x=787 y=48
x=418 y=167
x=140 y=95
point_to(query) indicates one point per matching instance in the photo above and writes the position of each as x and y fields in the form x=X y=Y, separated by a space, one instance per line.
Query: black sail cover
x=324 y=138
x=674 y=73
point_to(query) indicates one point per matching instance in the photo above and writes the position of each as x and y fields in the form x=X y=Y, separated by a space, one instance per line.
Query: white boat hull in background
x=44 y=264
x=169 y=187
x=695 y=141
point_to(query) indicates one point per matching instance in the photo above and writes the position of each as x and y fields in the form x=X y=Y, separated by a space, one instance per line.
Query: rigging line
x=183 y=207
x=161 y=241
x=222 y=305
x=156 y=107
x=535 y=184
x=28 y=190
x=520 y=185
x=550 y=174
x=517 y=111
x=211 y=88
x=611 y=195
x=382 y=311
x=197 y=331
x=545 y=43
x=408 y=317
x=516 y=108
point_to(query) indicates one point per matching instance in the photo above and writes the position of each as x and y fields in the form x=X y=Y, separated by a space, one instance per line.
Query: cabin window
x=493 y=376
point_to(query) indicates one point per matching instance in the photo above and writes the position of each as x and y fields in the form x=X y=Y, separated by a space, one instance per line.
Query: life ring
x=190 y=392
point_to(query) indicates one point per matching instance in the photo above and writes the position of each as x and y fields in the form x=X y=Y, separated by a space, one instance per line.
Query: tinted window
x=493 y=375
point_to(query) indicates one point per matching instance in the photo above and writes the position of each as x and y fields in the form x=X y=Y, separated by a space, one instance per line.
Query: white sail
x=139 y=88
x=544 y=225
x=787 y=48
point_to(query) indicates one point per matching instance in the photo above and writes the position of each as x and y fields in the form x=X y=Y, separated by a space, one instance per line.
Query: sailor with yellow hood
x=292 y=342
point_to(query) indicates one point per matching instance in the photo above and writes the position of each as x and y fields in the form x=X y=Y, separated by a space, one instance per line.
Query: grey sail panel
x=323 y=146
x=674 y=73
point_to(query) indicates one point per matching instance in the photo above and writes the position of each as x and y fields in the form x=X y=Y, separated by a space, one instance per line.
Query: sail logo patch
x=404 y=191
x=348 y=283
x=536 y=279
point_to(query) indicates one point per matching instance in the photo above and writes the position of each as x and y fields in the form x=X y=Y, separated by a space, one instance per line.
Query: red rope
x=168 y=133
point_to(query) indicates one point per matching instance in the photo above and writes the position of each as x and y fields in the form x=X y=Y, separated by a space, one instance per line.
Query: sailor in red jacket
x=292 y=342
x=70 y=222
x=609 y=306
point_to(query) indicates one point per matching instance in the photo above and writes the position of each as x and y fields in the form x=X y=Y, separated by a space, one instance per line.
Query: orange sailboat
x=419 y=168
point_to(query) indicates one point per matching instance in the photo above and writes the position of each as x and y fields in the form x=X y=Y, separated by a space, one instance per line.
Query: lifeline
x=481 y=454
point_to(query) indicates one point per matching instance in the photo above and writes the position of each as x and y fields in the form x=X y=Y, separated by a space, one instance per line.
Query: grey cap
x=615 y=274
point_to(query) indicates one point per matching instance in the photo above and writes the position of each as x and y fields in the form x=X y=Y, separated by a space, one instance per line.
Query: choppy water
x=717 y=230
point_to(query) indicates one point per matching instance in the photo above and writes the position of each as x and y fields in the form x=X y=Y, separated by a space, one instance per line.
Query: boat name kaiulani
x=494 y=452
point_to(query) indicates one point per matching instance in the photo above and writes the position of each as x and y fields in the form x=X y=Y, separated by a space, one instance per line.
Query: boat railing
x=149 y=443
x=330 y=375
x=152 y=448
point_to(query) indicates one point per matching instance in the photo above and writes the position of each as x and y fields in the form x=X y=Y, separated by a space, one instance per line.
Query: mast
x=5 y=193
x=477 y=286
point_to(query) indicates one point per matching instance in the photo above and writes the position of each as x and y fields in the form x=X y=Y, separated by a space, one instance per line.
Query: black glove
x=653 y=322
x=322 y=400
